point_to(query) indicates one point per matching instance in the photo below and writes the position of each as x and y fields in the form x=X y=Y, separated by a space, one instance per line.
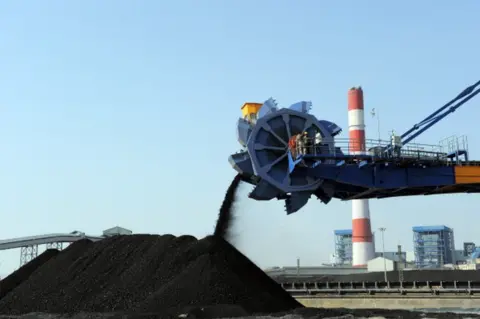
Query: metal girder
x=55 y=245
x=28 y=253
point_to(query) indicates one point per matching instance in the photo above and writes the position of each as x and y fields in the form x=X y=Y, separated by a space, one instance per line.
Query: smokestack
x=362 y=243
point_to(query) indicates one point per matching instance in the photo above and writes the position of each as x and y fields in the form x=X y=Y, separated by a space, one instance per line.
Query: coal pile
x=147 y=273
x=23 y=273
x=150 y=274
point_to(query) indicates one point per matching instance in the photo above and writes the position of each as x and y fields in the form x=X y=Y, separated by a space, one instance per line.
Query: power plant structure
x=343 y=246
x=288 y=154
x=434 y=246
x=468 y=248
x=343 y=249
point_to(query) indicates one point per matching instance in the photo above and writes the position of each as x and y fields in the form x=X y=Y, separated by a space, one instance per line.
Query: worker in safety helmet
x=301 y=143
x=306 y=143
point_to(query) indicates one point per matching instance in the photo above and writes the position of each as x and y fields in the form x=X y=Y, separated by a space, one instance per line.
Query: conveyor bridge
x=29 y=245
x=326 y=288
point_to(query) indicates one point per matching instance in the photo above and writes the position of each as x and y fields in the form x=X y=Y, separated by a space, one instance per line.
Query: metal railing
x=374 y=149
x=389 y=287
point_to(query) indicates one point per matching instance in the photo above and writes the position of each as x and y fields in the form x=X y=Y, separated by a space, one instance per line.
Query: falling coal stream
x=226 y=216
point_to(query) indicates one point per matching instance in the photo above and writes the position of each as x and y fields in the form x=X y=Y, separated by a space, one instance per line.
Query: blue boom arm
x=435 y=117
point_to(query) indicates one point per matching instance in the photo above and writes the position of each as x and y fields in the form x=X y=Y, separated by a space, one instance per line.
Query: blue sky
x=124 y=112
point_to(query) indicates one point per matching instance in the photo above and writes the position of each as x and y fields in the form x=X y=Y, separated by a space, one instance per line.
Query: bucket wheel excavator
x=289 y=154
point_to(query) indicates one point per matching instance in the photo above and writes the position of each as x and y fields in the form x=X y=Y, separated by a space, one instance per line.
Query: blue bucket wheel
x=268 y=148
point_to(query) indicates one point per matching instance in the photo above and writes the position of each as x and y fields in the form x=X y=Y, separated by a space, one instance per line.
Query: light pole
x=375 y=113
x=298 y=267
x=383 y=229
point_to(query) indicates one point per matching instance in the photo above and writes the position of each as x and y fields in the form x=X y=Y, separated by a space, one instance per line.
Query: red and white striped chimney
x=362 y=239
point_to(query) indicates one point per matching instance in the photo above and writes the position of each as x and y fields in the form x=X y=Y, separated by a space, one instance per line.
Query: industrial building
x=343 y=246
x=117 y=230
x=433 y=246
x=468 y=249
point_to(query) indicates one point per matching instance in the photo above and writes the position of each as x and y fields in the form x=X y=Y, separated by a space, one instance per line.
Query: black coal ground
x=151 y=276
x=221 y=312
